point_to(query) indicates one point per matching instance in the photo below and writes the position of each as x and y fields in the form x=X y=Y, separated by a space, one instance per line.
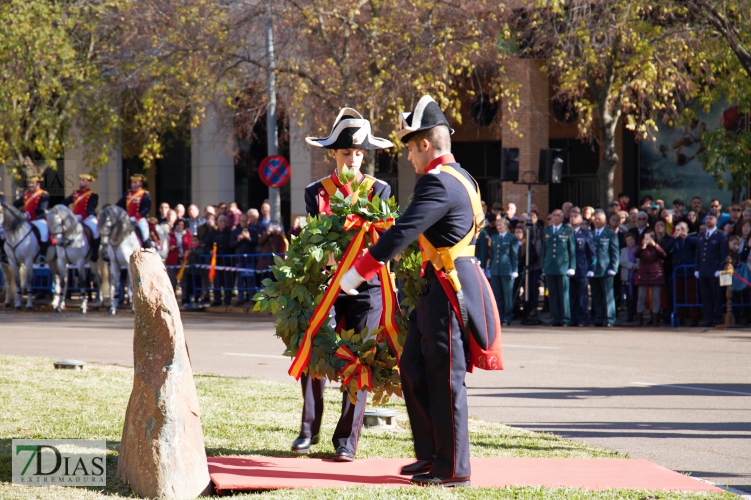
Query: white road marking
x=255 y=355
x=530 y=346
x=687 y=387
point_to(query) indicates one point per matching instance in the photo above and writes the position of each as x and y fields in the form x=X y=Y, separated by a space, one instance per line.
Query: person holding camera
x=650 y=276
x=242 y=243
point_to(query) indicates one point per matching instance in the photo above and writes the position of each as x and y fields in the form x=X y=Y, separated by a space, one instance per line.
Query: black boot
x=95 y=249
x=43 y=246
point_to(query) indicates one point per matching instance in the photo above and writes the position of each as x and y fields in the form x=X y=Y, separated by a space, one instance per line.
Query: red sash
x=81 y=202
x=133 y=202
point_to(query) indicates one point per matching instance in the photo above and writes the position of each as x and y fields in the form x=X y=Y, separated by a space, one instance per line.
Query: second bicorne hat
x=426 y=115
x=350 y=131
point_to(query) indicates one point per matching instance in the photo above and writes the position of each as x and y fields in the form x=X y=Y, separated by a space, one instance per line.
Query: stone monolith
x=162 y=454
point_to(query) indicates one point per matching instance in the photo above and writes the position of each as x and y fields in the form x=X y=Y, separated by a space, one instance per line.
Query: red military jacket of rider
x=133 y=203
x=31 y=202
x=81 y=202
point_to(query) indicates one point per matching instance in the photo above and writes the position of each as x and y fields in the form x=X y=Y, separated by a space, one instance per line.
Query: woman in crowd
x=745 y=236
x=629 y=264
x=180 y=242
x=650 y=277
x=692 y=221
x=588 y=216
x=682 y=252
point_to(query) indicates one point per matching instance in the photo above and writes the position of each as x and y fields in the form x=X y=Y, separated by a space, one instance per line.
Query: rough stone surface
x=162 y=454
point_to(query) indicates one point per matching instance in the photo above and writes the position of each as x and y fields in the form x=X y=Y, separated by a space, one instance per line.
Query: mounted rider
x=137 y=202
x=84 y=203
x=34 y=204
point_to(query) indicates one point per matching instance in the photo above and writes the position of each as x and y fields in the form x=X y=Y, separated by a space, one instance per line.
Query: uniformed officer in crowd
x=34 y=203
x=607 y=259
x=711 y=251
x=446 y=214
x=503 y=263
x=137 y=202
x=348 y=141
x=558 y=265
x=585 y=266
x=84 y=202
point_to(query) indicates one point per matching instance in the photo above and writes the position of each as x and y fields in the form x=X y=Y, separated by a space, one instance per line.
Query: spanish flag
x=182 y=267
x=212 y=267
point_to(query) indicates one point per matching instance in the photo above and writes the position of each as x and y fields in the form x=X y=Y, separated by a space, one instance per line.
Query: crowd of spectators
x=667 y=255
x=243 y=240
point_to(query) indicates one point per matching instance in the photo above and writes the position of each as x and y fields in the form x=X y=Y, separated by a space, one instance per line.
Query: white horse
x=22 y=247
x=72 y=248
x=9 y=282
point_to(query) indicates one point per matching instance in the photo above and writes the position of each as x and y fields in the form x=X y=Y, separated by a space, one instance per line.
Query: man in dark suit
x=558 y=264
x=642 y=224
x=607 y=259
x=585 y=266
x=711 y=251
x=444 y=213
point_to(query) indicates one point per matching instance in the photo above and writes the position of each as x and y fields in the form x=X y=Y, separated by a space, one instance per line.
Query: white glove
x=514 y=275
x=611 y=273
x=590 y=274
x=571 y=272
x=717 y=274
x=79 y=218
x=350 y=281
x=696 y=274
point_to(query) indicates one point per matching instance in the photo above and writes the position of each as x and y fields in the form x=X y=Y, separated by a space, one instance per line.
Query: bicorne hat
x=138 y=177
x=350 y=131
x=34 y=178
x=87 y=177
x=426 y=115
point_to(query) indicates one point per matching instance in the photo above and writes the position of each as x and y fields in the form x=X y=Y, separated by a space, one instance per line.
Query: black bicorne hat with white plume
x=350 y=131
x=426 y=115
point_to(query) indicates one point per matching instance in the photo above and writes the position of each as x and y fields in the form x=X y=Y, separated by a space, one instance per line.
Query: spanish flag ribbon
x=212 y=267
x=180 y=273
x=354 y=368
x=321 y=313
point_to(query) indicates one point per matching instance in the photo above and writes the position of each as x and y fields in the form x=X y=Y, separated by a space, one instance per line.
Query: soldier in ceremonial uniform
x=349 y=139
x=503 y=265
x=711 y=251
x=585 y=266
x=84 y=208
x=456 y=324
x=558 y=264
x=137 y=202
x=34 y=203
x=607 y=259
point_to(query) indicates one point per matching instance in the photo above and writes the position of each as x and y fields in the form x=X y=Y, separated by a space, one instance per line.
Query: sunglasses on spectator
x=735 y=209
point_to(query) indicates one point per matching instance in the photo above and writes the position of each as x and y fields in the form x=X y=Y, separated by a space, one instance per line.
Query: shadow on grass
x=115 y=487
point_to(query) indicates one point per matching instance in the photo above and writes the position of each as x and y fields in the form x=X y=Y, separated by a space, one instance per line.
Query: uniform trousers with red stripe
x=351 y=312
x=432 y=368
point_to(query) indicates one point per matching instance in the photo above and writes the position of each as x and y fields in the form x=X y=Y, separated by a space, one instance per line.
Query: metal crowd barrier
x=241 y=274
x=235 y=274
x=684 y=275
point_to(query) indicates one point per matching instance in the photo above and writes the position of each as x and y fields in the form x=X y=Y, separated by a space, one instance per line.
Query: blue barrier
x=240 y=274
x=684 y=300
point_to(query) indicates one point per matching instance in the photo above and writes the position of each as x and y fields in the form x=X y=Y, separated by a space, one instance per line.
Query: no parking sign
x=274 y=171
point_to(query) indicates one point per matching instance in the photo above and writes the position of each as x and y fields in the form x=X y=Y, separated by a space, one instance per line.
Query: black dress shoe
x=431 y=479
x=302 y=444
x=419 y=467
x=343 y=455
x=556 y=324
x=608 y=325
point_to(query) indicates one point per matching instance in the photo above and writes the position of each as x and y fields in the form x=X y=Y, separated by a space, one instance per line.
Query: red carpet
x=268 y=473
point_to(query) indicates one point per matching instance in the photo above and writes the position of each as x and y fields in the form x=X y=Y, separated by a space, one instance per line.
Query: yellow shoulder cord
x=444 y=257
x=329 y=186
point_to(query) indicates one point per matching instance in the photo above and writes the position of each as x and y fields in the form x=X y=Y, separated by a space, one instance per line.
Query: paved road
x=681 y=398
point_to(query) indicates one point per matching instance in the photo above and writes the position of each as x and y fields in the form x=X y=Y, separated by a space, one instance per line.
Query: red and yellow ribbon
x=321 y=313
x=354 y=368
x=212 y=267
x=181 y=271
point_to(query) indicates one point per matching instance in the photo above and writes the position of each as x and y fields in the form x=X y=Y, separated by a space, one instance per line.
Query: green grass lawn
x=241 y=417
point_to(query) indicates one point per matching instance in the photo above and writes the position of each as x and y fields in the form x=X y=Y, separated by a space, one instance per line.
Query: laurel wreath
x=301 y=278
